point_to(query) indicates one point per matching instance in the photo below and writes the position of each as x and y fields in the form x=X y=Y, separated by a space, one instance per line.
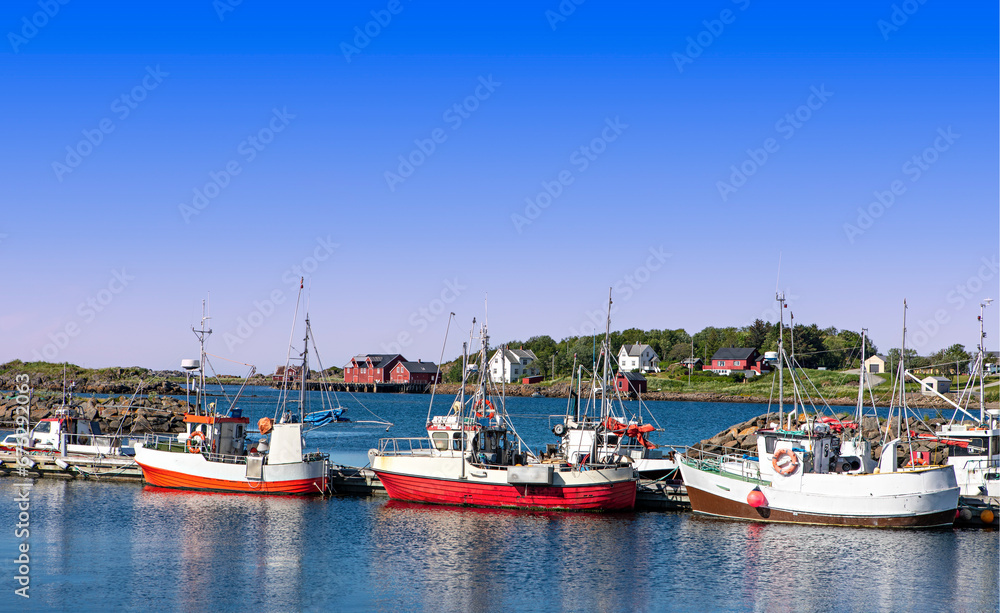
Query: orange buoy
x=756 y=499
x=986 y=516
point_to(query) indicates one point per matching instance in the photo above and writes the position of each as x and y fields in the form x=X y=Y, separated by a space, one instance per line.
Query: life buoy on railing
x=559 y=429
x=788 y=467
x=195 y=448
x=484 y=408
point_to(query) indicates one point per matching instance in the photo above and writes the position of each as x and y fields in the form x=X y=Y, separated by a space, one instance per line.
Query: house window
x=722 y=363
x=736 y=363
x=364 y=370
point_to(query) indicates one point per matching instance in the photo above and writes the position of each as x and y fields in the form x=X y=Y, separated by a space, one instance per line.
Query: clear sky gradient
x=537 y=152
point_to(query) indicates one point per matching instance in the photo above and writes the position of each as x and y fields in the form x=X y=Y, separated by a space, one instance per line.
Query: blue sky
x=538 y=153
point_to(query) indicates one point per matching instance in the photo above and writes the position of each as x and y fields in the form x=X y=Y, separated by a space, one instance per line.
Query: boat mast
x=780 y=297
x=304 y=373
x=202 y=335
x=982 y=359
x=605 y=410
x=862 y=375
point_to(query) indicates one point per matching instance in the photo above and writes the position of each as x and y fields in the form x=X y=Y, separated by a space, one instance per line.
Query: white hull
x=904 y=498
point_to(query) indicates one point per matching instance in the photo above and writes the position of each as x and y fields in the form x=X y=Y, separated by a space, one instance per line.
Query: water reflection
x=109 y=546
x=484 y=559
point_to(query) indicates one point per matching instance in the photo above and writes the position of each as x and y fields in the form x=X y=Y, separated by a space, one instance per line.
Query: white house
x=638 y=357
x=512 y=364
x=875 y=364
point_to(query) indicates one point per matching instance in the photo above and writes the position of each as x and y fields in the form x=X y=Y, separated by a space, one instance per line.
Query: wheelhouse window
x=440 y=440
x=456 y=443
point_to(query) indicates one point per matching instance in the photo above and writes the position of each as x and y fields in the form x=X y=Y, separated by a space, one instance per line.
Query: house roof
x=690 y=360
x=379 y=360
x=420 y=367
x=635 y=350
x=877 y=355
x=937 y=379
x=631 y=376
x=516 y=355
x=733 y=353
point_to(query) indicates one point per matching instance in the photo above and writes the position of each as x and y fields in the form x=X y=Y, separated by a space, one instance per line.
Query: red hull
x=168 y=478
x=619 y=496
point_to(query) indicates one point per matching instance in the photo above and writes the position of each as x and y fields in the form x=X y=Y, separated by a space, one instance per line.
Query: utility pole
x=553 y=367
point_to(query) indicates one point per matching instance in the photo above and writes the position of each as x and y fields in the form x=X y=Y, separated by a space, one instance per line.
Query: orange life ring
x=787 y=468
x=478 y=408
x=197 y=434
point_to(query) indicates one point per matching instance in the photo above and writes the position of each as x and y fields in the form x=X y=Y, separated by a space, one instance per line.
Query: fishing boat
x=68 y=432
x=602 y=426
x=215 y=454
x=974 y=446
x=807 y=476
x=473 y=456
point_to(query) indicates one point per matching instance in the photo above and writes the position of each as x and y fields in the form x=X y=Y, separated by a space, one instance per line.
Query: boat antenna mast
x=780 y=297
x=201 y=334
x=606 y=349
x=982 y=359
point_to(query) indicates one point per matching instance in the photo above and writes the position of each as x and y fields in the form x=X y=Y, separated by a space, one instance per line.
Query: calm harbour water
x=108 y=546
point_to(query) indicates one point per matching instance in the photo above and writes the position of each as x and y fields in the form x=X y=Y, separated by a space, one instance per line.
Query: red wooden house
x=415 y=372
x=292 y=374
x=371 y=368
x=738 y=359
x=630 y=383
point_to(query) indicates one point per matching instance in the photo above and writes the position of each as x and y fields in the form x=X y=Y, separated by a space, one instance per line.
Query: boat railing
x=977 y=464
x=405 y=446
x=163 y=442
x=98 y=440
x=743 y=466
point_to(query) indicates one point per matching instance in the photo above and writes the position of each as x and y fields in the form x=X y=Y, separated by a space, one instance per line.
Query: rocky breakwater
x=742 y=438
x=119 y=414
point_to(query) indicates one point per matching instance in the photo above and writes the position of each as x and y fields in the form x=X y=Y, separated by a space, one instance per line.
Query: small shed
x=929 y=385
x=875 y=364
x=532 y=379
x=692 y=363
x=630 y=383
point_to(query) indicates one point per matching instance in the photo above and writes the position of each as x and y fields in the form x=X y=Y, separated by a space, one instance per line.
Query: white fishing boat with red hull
x=213 y=455
x=473 y=456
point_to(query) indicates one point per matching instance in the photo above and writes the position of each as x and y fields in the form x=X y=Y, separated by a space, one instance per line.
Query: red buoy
x=756 y=499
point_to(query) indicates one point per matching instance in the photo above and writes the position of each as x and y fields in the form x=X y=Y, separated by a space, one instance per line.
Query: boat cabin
x=222 y=435
x=814 y=449
x=974 y=452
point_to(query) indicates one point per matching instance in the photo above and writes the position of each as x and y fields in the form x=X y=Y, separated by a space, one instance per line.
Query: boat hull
x=441 y=482
x=194 y=472
x=921 y=499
